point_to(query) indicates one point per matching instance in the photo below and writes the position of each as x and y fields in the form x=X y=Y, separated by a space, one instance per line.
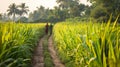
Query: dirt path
x=38 y=58
x=56 y=61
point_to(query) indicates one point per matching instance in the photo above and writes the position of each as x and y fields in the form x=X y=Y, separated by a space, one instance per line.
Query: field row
x=17 y=41
x=88 y=44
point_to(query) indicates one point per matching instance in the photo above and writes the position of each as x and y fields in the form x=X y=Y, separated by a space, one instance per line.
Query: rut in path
x=38 y=58
x=55 y=59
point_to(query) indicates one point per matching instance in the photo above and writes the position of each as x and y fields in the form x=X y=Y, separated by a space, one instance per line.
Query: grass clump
x=47 y=57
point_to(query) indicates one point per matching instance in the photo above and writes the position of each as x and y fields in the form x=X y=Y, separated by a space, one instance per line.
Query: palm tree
x=23 y=10
x=13 y=10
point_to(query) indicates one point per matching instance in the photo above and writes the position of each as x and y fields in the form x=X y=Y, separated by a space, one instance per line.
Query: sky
x=32 y=4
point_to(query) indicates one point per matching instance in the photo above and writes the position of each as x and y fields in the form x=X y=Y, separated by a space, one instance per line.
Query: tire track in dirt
x=55 y=59
x=38 y=58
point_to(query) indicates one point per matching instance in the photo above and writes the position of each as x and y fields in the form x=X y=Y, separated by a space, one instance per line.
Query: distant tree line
x=100 y=11
x=66 y=9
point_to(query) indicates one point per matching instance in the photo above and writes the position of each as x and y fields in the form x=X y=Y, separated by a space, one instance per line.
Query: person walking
x=51 y=26
x=46 y=28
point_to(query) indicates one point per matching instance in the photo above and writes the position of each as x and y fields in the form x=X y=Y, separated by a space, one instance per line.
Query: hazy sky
x=32 y=4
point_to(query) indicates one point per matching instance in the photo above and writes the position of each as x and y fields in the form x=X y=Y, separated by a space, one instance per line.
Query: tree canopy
x=100 y=10
x=66 y=9
x=13 y=10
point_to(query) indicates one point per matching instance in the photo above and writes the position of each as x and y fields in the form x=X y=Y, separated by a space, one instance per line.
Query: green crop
x=88 y=44
x=17 y=42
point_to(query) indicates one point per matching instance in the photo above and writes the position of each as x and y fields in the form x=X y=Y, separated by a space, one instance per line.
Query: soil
x=38 y=58
x=55 y=59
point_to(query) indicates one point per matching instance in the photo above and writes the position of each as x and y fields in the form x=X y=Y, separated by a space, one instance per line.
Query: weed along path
x=45 y=54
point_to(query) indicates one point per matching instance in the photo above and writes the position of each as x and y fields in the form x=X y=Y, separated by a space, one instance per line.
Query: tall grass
x=88 y=44
x=17 y=42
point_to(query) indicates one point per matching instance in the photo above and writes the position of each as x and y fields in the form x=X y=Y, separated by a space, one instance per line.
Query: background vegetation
x=99 y=10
